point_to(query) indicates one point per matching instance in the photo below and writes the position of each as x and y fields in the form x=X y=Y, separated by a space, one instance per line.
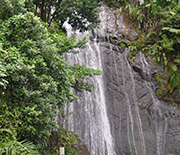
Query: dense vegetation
x=159 y=35
x=81 y=14
x=35 y=79
x=158 y=26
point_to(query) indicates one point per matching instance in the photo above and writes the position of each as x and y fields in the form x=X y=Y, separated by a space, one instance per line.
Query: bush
x=39 y=79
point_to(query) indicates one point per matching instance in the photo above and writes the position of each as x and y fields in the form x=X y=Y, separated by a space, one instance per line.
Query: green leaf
x=2 y=145
x=177 y=61
x=171 y=12
x=148 y=5
x=174 y=68
x=174 y=79
x=165 y=28
x=174 y=30
x=178 y=39
x=120 y=10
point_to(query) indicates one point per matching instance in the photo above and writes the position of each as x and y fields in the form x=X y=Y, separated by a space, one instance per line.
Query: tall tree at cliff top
x=82 y=14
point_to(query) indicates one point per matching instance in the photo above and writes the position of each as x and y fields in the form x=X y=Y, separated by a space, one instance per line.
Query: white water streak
x=130 y=118
x=160 y=128
x=137 y=110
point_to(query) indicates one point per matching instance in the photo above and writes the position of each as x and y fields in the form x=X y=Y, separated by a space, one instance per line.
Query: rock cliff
x=123 y=115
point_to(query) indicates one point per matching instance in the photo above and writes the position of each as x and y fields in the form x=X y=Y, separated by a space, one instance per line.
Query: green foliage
x=68 y=140
x=30 y=85
x=138 y=44
x=111 y=40
x=82 y=14
x=160 y=34
x=122 y=45
x=114 y=2
x=66 y=44
x=16 y=147
x=63 y=138
x=11 y=7
x=10 y=145
x=3 y=82
x=35 y=78
x=80 y=72
x=172 y=94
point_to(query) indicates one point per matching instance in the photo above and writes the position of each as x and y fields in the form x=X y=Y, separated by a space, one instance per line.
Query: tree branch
x=53 y=15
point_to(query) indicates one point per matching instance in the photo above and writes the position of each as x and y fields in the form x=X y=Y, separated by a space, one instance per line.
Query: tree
x=35 y=79
x=11 y=7
x=81 y=14
x=39 y=79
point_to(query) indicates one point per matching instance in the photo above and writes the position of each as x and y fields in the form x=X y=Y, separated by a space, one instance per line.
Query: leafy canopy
x=81 y=14
x=11 y=7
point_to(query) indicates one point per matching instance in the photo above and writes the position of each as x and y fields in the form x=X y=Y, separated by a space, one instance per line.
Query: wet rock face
x=116 y=29
x=140 y=123
x=123 y=115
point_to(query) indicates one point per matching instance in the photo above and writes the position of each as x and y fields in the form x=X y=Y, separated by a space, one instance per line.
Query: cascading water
x=136 y=110
x=161 y=122
x=90 y=110
x=122 y=115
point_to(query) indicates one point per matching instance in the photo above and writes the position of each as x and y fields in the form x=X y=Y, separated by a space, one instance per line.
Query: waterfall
x=91 y=110
x=122 y=115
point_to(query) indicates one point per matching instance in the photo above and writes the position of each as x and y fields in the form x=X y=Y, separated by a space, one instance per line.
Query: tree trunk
x=43 y=17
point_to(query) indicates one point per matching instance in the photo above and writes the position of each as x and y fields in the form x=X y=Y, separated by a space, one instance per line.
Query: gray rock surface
x=115 y=28
x=135 y=112
x=123 y=115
